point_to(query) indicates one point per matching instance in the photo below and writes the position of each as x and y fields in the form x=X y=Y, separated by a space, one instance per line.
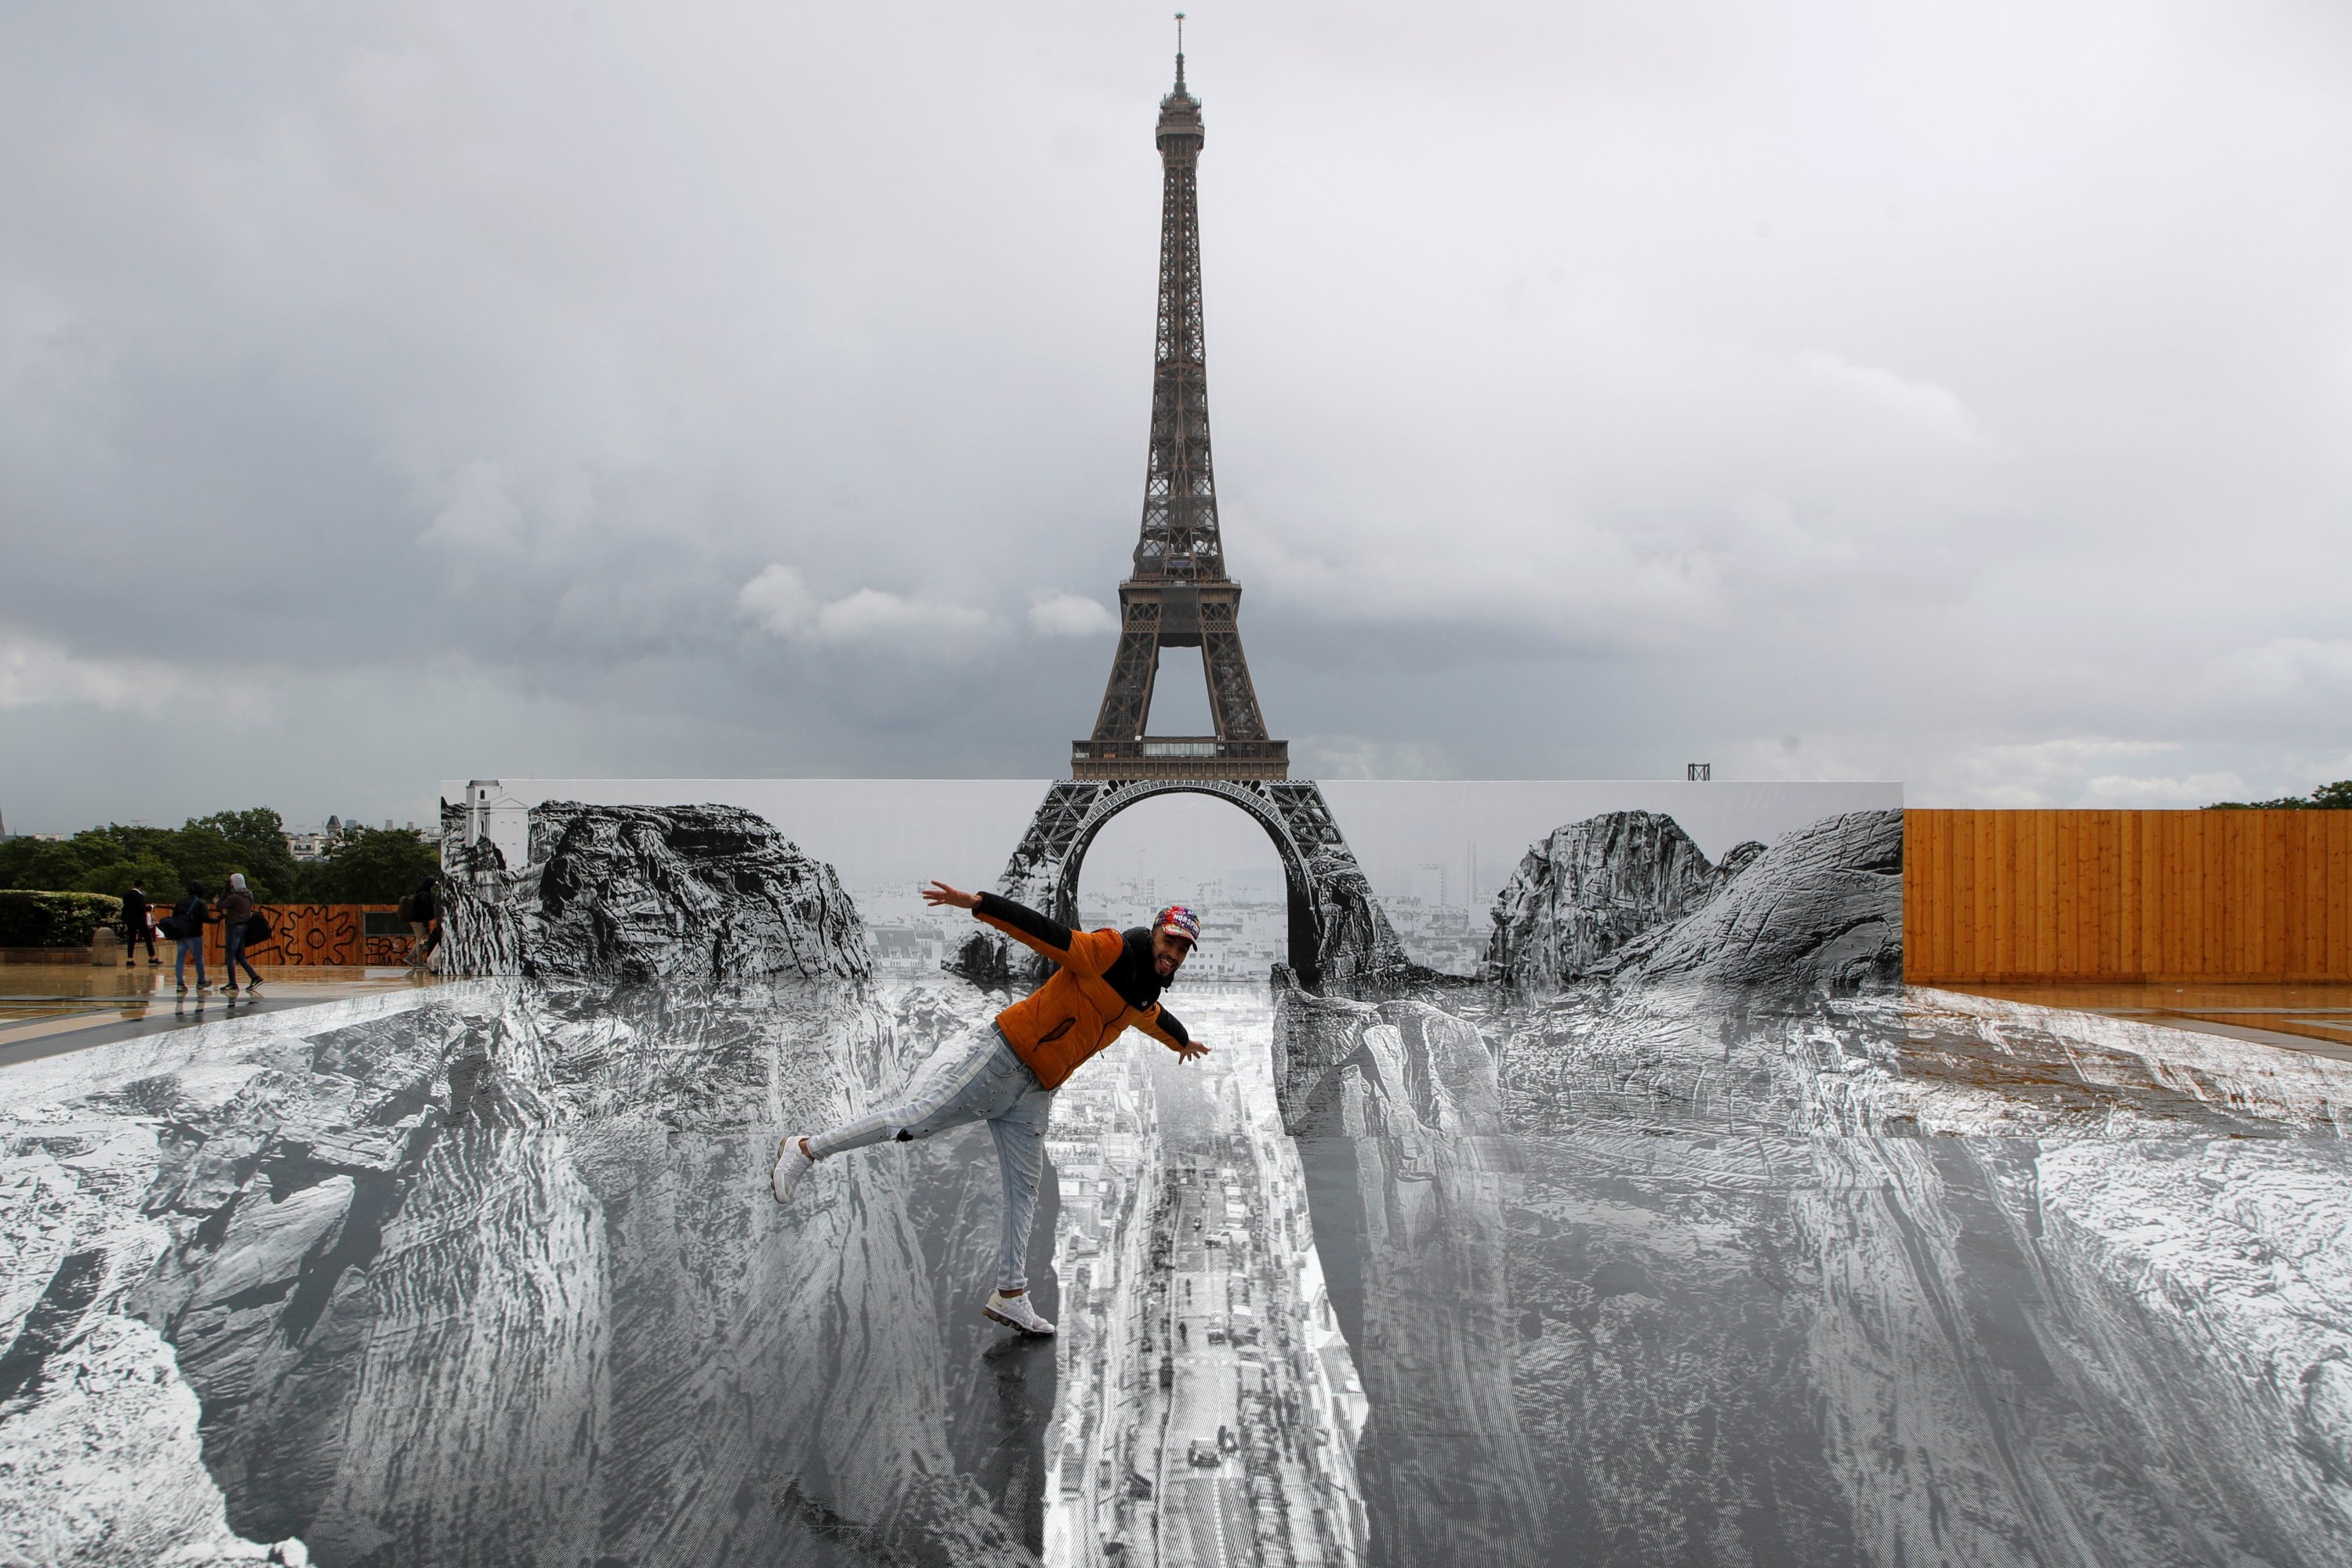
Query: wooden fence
x=2127 y=896
x=324 y=934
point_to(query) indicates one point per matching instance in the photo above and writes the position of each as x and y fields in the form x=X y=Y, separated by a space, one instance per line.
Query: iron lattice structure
x=1338 y=929
x=1178 y=594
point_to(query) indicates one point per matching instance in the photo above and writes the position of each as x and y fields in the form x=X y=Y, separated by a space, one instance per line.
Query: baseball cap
x=1178 y=921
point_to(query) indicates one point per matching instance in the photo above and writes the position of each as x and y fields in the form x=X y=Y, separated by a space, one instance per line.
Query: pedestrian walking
x=237 y=910
x=422 y=910
x=138 y=923
x=186 y=929
x=1004 y=1072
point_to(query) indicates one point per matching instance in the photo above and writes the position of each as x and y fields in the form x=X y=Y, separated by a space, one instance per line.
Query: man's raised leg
x=946 y=1091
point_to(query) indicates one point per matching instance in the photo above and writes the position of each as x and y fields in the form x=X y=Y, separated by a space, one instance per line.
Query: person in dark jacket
x=189 y=917
x=235 y=910
x=423 y=909
x=138 y=923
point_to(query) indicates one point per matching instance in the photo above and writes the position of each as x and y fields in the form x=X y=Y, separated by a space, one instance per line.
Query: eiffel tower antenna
x=1177 y=593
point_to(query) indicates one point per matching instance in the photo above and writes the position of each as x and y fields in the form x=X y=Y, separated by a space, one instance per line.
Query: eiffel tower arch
x=1336 y=928
x=1177 y=594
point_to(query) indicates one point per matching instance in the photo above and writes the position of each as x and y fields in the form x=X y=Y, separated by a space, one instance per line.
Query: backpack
x=256 y=928
x=407 y=906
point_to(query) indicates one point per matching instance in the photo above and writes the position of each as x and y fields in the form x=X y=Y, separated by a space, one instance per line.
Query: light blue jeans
x=188 y=945
x=975 y=1077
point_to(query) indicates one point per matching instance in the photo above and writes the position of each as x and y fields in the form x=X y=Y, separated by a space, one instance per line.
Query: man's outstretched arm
x=1170 y=1031
x=1018 y=921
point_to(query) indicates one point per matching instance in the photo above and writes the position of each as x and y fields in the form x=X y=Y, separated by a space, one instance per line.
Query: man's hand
x=939 y=893
x=1191 y=1051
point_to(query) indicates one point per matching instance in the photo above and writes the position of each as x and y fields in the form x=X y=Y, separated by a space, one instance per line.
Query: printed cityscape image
x=797 y=1089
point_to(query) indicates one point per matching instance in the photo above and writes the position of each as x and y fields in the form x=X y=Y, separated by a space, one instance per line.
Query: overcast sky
x=1959 y=393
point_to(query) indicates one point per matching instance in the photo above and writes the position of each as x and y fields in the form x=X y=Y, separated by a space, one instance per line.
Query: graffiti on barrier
x=346 y=936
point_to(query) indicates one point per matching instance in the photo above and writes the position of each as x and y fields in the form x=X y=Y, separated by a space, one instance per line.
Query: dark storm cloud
x=1952 y=394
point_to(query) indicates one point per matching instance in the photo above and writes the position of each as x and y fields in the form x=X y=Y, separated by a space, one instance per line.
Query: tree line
x=2336 y=796
x=365 y=866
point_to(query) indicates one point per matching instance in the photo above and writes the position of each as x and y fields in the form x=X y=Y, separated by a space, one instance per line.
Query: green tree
x=141 y=843
x=258 y=840
x=43 y=865
x=371 y=866
x=164 y=886
x=2336 y=796
x=206 y=848
x=205 y=854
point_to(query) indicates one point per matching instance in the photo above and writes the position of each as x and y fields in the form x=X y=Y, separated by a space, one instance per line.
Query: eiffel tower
x=1177 y=594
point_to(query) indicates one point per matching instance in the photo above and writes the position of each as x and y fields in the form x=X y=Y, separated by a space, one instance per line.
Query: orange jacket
x=1103 y=986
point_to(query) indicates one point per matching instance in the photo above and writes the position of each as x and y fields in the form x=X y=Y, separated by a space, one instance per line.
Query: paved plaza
x=46 y=1008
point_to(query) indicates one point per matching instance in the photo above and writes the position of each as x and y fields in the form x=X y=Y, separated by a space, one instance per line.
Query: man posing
x=1005 y=1072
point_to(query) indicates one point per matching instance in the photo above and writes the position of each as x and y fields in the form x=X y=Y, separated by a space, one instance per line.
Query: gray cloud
x=389 y=393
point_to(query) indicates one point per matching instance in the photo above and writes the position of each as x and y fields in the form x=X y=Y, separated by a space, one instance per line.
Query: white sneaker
x=791 y=1166
x=1015 y=1312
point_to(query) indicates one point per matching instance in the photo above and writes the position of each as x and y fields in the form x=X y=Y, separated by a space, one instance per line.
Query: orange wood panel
x=2187 y=951
x=2131 y=957
x=2107 y=957
x=1965 y=882
x=2310 y=859
x=1935 y=922
x=2282 y=903
x=2339 y=941
x=1981 y=880
x=2004 y=890
x=2063 y=919
x=2182 y=890
x=2214 y=884
x=2317 y=928
x=2025 y=908
x=2227 y=855
x=2323 y=936
x=2128 y=895
x=1942 y=919
x=1960 y=846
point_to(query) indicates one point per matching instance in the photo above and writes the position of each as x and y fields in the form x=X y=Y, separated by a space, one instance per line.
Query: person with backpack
x=236 y=913
x=138 y=923
x=186 y=927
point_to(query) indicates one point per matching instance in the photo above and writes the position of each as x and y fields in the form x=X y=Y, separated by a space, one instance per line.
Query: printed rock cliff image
x=692 y=892
x=1647 y=1274
x=1628 y=895
x=488 y=1272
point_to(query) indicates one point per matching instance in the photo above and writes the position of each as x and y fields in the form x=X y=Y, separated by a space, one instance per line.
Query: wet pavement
x=46 y=1008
